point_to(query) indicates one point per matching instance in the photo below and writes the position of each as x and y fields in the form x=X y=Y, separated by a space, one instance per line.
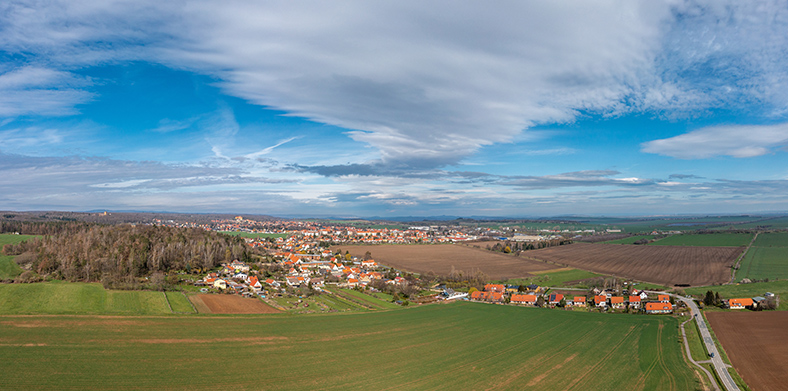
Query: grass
x=179 y=303
x=78 y=298
x=556 y=277
x=8 y=268
x=369 y=300
x=705 y=240
x=746 y=290
x=455 y=346
x=630 y=240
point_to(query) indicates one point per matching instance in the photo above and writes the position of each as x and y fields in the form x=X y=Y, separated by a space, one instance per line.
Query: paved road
x=719 y=365
x=697 y=363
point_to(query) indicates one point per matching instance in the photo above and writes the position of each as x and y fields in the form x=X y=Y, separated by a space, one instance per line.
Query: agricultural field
x=230 y=304
x=452 y=346
x=179 y=303
x=753 y=342
x=705 y=240
x=78 y=298
x=766 y=258
x=563 y=277
x=779 y=288
x=8 y=268
x=630 y=240
x=441 y=258
x=664 y=265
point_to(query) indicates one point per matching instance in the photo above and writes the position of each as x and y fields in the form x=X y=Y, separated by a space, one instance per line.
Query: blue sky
x=397 y=108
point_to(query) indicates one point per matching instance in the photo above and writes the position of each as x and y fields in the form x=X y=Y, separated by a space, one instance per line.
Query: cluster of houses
x=234 y=276
x=499 y=293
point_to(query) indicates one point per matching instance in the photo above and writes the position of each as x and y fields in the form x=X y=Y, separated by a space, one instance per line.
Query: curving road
x=719 y=365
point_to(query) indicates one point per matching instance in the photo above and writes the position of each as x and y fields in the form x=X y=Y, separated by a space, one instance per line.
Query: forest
x=119 y=255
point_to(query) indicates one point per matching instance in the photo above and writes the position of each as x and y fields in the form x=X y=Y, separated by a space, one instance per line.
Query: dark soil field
x=231 y=304
x=754 y=342
x=440 y=258
x=664 y=265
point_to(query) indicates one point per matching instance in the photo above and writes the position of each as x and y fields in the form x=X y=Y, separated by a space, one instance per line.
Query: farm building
x=659 y=308
x=524 y=299
x=737 y=304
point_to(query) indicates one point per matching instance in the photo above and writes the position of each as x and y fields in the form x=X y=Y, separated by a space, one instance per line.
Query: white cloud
x=739 y=141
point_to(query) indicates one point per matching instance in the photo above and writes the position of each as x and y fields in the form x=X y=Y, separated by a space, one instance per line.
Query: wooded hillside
x=123 y=252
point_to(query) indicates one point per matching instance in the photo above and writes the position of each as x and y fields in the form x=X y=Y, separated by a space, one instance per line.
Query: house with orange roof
x=600 y=300
x=663 y=298
x=352 y=282
x=658 y=308
x=555 y=298
x=523 y=299
x=477 y=295
x=738 y=304
x=494 y=288
x=617 y=301
x=634 y=302
x=254 y=282
x=577 y=301
x=369 y=263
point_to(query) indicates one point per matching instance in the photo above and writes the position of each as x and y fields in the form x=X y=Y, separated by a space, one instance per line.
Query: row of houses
x=496 y=293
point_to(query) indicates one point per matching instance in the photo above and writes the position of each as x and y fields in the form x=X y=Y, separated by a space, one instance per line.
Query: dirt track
x=231 y=304
x=754 y=341
x=665 y=265
x=440 y=258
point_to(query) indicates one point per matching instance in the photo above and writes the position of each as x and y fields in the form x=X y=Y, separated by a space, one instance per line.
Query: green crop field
x=8 y=268
x=179 y=303
x=764 y=262
x=558 y=277
x=630 y=240
x=705 y=240
x=78 y=298
x=779 y=288
x=775 y=239
x=454 y=346
x=367 y=300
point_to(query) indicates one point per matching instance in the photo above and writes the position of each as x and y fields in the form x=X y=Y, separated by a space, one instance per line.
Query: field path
x=741 y=257
x=712 y=381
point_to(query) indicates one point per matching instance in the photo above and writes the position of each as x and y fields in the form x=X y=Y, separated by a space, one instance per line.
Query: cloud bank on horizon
x=394 y=108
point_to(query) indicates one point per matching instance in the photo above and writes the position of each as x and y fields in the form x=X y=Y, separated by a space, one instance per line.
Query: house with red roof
x=555 y=298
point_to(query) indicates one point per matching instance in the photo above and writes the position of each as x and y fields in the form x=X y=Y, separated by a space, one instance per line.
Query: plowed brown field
x=665 y=265
x=440 y=258
x=231 y=304
x=754 y=343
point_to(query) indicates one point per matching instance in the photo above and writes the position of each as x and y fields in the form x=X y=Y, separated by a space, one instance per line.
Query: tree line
x=117 y=255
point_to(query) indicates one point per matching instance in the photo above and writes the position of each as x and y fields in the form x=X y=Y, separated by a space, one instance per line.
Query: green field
x=454 y=346
x=772 y=239
x=630 y=240
x=179 y=303
x=767 y=258
x=779 y=288
x=366 y=299
x=78 y=298
x=705 y=240
x=559 y=278
x=8 y=268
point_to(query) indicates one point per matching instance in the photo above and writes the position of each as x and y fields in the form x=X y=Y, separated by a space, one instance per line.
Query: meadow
x=705 y=240
x=82 y=298
x=451 y=346
x=563 y=277
x=630 y=240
